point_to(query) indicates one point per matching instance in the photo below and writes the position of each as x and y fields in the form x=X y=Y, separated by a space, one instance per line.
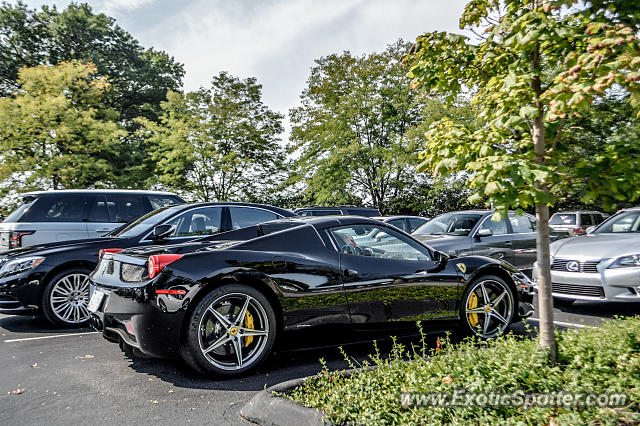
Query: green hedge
x=598 y=360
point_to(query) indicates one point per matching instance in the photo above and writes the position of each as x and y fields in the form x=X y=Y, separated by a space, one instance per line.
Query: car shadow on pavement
x=601 y=309
x=36 y=325
x=285 y=364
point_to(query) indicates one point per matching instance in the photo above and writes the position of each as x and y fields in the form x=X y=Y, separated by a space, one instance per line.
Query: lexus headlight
x=21 y=264
x=626 y=261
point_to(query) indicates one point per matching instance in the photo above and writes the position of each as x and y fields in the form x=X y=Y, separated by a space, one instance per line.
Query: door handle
x=349 y=273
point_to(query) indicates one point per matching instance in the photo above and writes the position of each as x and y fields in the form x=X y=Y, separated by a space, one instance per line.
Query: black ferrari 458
x=222 y=302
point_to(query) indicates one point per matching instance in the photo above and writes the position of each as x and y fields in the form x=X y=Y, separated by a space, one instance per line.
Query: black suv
x=337 y=210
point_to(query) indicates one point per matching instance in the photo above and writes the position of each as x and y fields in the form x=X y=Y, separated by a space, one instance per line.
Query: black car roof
x=281 y=211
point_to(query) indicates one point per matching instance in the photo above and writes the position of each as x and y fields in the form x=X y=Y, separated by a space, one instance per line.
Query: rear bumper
x=139 y=324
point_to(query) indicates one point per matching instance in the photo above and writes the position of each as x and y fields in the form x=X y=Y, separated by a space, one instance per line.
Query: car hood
x=596 y=246
x=93 y=244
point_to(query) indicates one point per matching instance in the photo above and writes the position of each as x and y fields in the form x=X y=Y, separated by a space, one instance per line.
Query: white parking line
x=50 y=337
x=563 y=324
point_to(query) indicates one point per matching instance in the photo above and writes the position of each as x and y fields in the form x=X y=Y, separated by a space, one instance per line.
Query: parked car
x=52 y=279
x=46 y=217
x=222 y=303
x=575 y=222
x=474 y=232
x=602 y=265
x=407 y=223
x=337 y=210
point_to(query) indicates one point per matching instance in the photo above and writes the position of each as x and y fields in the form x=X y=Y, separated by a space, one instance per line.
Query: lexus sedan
x=52 y=279
x=221 y=303
x=602 y=265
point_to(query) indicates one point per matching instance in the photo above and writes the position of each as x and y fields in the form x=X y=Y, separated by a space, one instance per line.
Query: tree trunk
x=545 y=299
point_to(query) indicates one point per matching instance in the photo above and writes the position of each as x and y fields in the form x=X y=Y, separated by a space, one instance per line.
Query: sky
x=275 y=41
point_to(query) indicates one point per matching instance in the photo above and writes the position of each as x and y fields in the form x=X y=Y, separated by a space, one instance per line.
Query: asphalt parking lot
x=57 y=376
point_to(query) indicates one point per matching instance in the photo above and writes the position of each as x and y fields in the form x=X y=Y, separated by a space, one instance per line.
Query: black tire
x=206 y=329
x=562 y=302
x=75 y=281
x=495 y=288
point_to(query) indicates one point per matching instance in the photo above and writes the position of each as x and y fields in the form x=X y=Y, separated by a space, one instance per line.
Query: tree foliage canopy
x=56 y=131
x=219 y=143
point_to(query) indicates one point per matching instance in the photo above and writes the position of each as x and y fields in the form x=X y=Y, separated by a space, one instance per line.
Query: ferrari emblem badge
x=462 y=267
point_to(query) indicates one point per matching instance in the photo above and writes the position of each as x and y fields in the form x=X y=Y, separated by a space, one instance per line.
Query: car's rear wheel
x=488 y=307
x=230 y=332
x=65 y=298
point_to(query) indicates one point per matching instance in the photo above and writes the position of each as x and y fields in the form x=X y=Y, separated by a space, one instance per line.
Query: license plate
x=96 y=301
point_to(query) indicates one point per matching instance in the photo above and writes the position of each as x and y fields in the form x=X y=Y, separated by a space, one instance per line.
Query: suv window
x=520 y=224
x=585 y=219
x=563 y=219
x=363 y=212
x=99 y=213
x=59 y=208
x=158 y=201
x=398 y=223
x=241 y=217
x=17 y=213
x=200 y=221
x=326 y=212
x=123 y=208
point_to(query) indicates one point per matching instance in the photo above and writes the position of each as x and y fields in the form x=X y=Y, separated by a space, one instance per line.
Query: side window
x=327 y=212
x=241 y=217
x=398 y=223
x=585 y=219
x=158 y=201
x=520 y=224
x=352 y=240
x=203 y=221
x=305 y=213
x=123 y=208
x=99 y=212
x=599 y=218
x=62 y=208
x=498 y=228
x=414 y=222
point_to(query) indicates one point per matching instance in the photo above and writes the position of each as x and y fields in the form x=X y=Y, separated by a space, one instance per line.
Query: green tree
x=55 y=129
x=139 y=77
x=349 y=132
x=538 y=65
x=219 y=143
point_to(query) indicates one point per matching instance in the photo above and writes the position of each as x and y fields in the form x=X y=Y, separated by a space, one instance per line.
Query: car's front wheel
x=231 y=331
x=66 y=297
x=488 y=307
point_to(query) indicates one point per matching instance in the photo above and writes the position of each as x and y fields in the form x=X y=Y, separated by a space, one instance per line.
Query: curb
x=267 y=409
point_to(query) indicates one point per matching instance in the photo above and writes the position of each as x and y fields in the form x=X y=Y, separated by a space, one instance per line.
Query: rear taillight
x=15 y=238
x=577 y=231
x=158 y=261
x=103 y=251
x=171 y=291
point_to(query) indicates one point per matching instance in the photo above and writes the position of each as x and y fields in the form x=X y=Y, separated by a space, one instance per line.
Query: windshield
x=620 y=223
x=563 y=219
x=143 y=223
x=450 y=224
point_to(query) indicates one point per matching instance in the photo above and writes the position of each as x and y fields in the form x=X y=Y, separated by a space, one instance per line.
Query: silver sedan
x=603 y=265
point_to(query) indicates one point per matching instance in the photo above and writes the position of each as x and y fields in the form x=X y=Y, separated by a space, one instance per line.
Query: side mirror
x=484 y=233
x=440 y=257
x=591 y=229
x=161 y=231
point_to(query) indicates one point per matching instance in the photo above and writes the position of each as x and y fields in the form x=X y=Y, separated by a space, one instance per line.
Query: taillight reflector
x=157 y=262
x=171 y=291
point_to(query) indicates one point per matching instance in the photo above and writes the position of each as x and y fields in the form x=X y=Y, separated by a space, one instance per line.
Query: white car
x=602 y=265
x=51 y=216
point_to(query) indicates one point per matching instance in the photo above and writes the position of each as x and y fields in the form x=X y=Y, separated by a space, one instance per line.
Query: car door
x=499 y=244
x=523 y=232
x=393 y=279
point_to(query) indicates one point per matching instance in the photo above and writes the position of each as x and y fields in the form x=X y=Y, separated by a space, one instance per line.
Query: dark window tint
x=585 y=219
x=563 y=219
x=520 y=224
x=398 y=223
x=305 y=213
x=202 y=221
x=247 y=216
x=158 y=201
x=497 y=228
x=364 y=212
x=599 y=218
x=123 y=208
x=145 y=222
x=326 y=212
x=60 y=208
x=17 y=213
x=99 y=212
x=415 y=222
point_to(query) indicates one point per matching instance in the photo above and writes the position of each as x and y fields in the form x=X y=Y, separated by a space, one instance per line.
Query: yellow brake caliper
x=473 y=303
x=248 y=323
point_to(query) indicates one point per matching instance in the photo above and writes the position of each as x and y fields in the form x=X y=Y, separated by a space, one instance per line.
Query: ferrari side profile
x=221 y=302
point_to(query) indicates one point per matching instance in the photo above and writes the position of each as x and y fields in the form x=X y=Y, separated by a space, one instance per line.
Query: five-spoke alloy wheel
x=231 y=331
x=488 y=307
x=66 y=297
